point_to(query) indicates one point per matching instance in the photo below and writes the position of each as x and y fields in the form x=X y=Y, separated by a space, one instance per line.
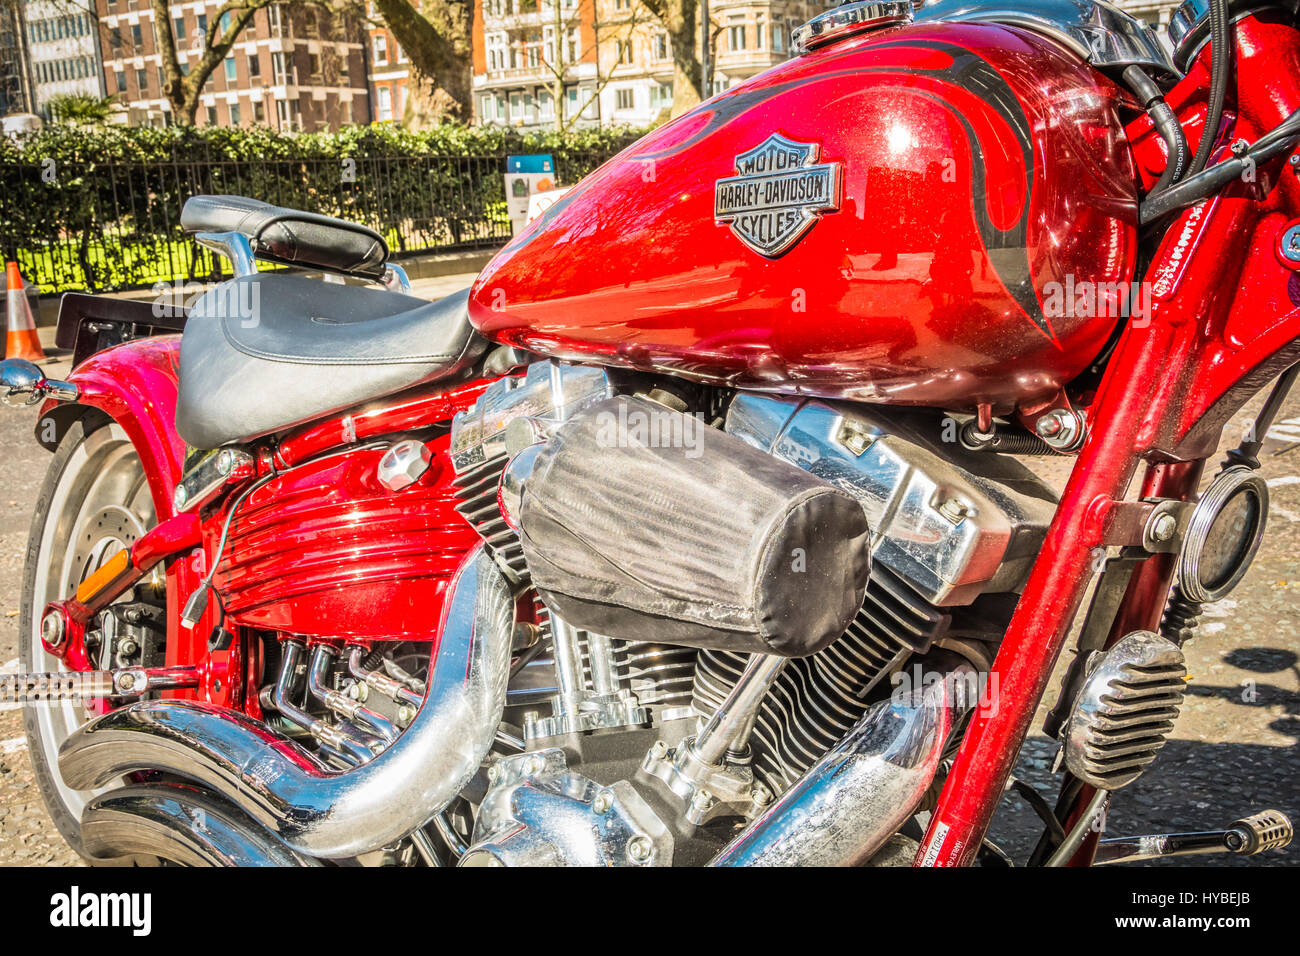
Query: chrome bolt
x=52 y=629
x=125 y=681
x=127 y=647
x=1050 y=424
x=640 y=849
x=534 y=766
x=405 y=714
x=854 y=436
x=1239 y=147
x=659 y=750
x=180 y=496
x=1061 y=428
x=603 y=802
x=225 y=462
x=494 y=773
x=702 y=800
x=954 y=509
x=760 y=795
x=1164 y=528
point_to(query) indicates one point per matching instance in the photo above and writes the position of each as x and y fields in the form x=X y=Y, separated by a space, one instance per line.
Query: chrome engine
x=645 y=753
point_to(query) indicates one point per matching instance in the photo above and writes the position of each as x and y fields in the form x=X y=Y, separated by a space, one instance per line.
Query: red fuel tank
x=938 y=214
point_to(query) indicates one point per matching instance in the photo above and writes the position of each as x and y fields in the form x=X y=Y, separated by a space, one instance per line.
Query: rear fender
x=135 y=385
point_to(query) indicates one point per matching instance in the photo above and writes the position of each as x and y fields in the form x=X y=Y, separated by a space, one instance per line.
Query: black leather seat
x=264 y=353
x=292 y=236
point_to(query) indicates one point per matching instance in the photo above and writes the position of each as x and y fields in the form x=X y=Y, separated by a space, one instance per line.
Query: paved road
x=1234 y=749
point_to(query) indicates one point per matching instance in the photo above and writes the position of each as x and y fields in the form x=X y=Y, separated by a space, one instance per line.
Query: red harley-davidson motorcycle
x=697 y=531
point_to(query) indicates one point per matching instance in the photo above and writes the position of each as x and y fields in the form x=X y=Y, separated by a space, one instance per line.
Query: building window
x=661 y=46
x=313 y=65
x=381 y=49
x=624 y=98
x=179 y=24
x=545 y=105
x=661 y=96
x=279 y=68
x=137 y=36
x=201 y=30
x=259 y=112
x=254 y=64
x=229 y=64
x=624 y=48
x=736 y=36
x=760 y=33
x=401 y=54
x=142 y=80
x=778 y=38
x=384 y=98
x=212 y=116
x=234 y=114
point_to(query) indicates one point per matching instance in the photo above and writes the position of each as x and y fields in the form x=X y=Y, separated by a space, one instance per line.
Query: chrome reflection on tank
x=1100 y=33
x=538 y=812
x=859 y=793
x=849 y=19
x=319 y=813
x=952 y=523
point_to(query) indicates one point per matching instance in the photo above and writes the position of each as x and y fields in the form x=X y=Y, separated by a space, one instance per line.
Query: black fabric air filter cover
x=643 y=523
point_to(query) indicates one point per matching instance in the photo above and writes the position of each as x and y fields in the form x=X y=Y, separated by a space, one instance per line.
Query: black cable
x=1165 y=122
x=1039 y=805
x=1220 y=67
x=1277 y=141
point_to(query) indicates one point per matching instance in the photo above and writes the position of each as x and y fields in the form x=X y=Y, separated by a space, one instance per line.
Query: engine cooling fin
x=1124 y=710
x=816 y=699
x=476 y=489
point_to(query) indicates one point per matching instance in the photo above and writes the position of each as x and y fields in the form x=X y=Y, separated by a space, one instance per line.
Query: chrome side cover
x=1100 y=33
x=951 y=523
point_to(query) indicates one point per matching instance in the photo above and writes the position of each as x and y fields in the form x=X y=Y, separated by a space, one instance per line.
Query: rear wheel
x=94 y=502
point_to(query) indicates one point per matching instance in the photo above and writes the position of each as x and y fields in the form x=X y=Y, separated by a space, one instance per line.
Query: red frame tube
x=1218 y=332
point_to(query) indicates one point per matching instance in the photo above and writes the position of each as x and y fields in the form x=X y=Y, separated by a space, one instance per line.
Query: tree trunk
x=435 y=34
x=679 y=19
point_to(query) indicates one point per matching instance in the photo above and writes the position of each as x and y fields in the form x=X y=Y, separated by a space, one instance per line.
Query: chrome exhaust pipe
x=179 y=824
x=857 y=796
x=313 y=809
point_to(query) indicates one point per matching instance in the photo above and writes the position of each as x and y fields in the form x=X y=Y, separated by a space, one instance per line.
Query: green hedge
x=99 y=209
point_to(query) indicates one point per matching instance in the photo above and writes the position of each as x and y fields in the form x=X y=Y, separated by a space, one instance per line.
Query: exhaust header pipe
x=857 y=796
x=315 y=810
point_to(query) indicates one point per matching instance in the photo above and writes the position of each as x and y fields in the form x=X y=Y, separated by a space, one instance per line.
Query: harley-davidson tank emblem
x=780 y=193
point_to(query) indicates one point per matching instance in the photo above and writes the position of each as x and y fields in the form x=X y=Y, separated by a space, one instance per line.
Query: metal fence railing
x=117 y=225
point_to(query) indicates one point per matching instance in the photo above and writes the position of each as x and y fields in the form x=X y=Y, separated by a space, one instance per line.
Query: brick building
x=292 y=68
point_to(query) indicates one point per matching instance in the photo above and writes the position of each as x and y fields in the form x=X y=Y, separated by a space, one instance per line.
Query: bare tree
x=561 y=56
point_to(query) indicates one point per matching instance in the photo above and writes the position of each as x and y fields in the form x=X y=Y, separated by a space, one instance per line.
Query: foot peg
x=1267 y=830
x=87 y=685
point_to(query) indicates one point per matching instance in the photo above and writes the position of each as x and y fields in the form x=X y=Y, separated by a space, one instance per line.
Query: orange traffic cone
x=22 y=341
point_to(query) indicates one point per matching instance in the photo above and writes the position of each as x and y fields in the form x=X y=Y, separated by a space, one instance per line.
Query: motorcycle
x=698 y=530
